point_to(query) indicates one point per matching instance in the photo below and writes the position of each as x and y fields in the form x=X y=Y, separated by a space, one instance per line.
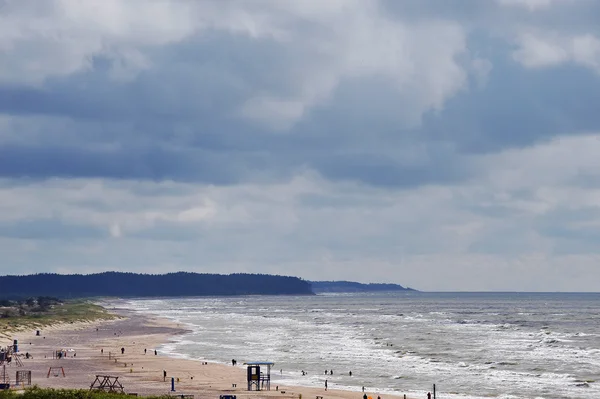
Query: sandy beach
x=95 y=349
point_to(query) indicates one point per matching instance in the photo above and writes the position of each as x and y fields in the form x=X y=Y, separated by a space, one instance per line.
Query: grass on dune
x=65 y=312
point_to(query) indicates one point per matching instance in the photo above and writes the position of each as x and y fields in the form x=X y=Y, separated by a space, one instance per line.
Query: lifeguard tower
x=257 y=379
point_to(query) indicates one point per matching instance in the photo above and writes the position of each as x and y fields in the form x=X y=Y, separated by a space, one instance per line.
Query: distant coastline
x=180 y=284
x=351 y=286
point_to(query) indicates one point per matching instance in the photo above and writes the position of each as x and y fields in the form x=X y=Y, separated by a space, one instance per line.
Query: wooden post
x=433 y=391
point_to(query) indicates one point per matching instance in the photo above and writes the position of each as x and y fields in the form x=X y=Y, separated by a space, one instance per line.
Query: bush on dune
x=49 y=393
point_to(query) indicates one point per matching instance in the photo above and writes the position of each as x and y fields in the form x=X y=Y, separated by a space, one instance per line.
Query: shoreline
x=94 y=348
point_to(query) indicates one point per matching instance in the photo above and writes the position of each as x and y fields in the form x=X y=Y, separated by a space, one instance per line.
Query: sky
x=448 y=145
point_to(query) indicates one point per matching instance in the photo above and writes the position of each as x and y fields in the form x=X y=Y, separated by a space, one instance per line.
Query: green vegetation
x=49 y=393
x=35 y=313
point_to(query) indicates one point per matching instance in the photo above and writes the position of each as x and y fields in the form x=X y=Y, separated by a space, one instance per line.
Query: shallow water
x=471 y=345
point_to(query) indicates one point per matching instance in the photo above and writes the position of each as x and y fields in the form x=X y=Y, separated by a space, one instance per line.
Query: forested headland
x=351 y=286
x=120 y=284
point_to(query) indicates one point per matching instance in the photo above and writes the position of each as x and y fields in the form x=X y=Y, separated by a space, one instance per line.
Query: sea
x=470 y=345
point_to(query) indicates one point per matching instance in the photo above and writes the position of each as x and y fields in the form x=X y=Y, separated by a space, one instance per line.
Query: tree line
x=122 y=284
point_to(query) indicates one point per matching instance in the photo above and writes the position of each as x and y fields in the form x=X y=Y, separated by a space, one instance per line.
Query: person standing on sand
x=122 y=351
x=144 y=351
x=325 y=384
x=155 y=352
x=164 y=375
x=365 y=395
x=428 y=395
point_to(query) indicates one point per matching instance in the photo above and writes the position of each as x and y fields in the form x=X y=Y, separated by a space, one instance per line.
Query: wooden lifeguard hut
x=258 y=379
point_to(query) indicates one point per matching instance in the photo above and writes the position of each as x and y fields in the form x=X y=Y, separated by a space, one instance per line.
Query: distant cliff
x=142 y=285
x=349 y=286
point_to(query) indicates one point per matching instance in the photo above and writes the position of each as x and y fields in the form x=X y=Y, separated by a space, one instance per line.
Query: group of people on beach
x=327 y=372
x=155 y=352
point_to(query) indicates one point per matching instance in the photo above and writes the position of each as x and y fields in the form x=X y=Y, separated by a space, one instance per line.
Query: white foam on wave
x=425 y=348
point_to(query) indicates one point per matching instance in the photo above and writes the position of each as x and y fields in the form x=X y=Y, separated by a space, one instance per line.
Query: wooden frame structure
x=23 y=377
x=57 y=371
x=258 y=379
x=107 y=383
x=4 y=378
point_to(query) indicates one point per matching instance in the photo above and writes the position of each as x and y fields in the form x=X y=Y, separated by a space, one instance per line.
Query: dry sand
x=139 y=372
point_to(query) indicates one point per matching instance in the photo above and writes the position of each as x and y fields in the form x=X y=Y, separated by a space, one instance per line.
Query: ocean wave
x=432 y=341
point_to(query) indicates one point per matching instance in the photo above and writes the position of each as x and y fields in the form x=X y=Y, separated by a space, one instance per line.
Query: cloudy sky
x=443 y=145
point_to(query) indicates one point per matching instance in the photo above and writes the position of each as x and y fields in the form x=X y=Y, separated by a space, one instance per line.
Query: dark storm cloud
x=519 y=108
x=153 y=163
x=179 y=119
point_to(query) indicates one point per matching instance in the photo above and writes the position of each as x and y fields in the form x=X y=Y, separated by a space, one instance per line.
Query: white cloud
x=586 y=51
x=535 y=51
x=546 y=49
x=419 y=59
x=531 y=5
x=60 y=37
x=115 y=230
x=546 y=165
x=325 y=44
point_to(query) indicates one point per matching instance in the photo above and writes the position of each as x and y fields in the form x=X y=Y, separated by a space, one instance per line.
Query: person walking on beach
x=365 y=395
x=325 y=384
x=428 y=395
x=155 y=352
x=350 y=373
x=144 y=351
x=122 y=351
x=164 y=375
